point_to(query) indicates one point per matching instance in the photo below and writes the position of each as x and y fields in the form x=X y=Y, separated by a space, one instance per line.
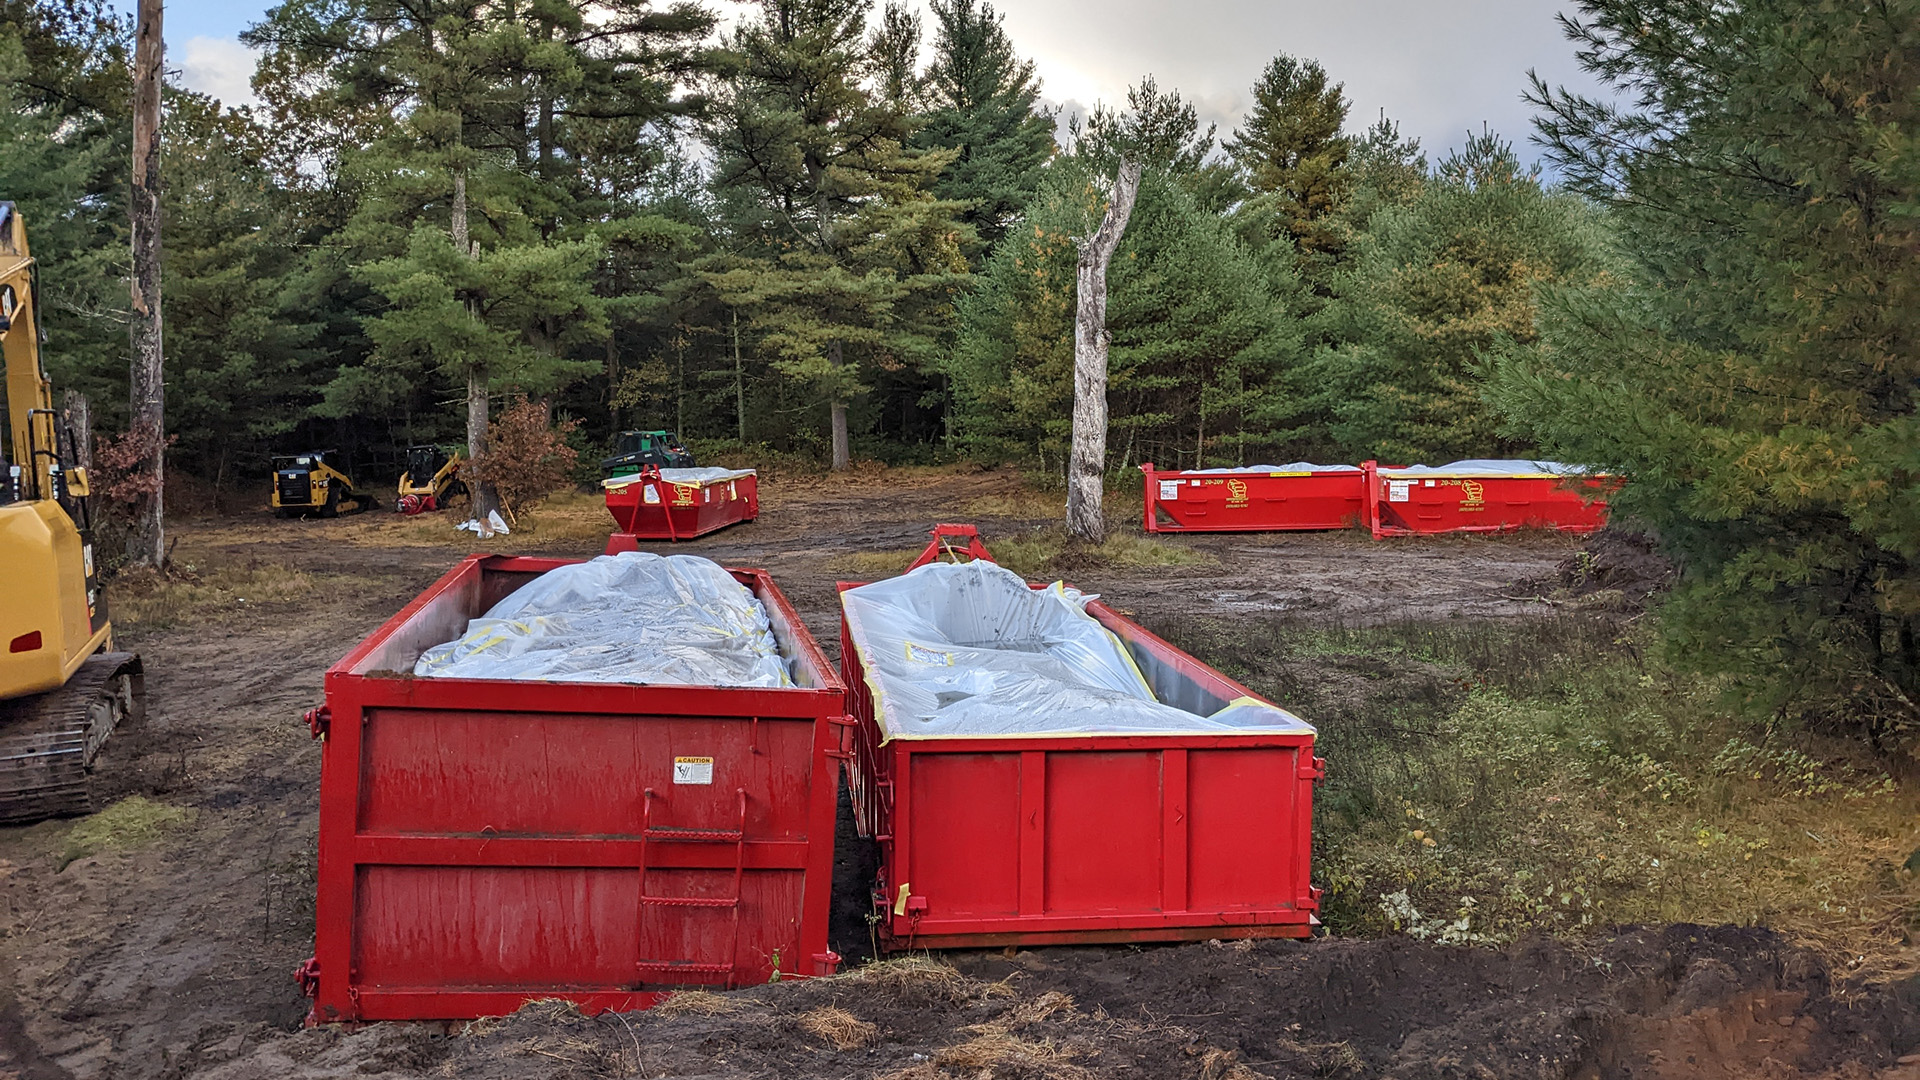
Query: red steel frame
x=1435 y=502
x=1037 y=840
x=488 y=842
x=678 y=511
x=1253 y=502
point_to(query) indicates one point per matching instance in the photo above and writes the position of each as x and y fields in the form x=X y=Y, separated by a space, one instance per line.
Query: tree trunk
x=480 y=492
x=147 y=382
x=842 y=449
x=739 y=384
x=79 y=422
x=1086 y=474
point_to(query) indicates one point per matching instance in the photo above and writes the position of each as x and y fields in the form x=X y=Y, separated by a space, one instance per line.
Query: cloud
x=220 y=68
x=1438 y=68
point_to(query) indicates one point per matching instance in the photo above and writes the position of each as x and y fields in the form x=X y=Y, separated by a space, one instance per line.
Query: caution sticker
x=1170 y=490
x=651 y=494
x=693 y=770
x=1399 y=490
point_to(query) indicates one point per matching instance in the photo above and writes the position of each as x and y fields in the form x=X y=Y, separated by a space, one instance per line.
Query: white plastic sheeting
x=1490 y=467
x=964 y=649
x=684 y=477
x=635 y=617
x=1262 y=470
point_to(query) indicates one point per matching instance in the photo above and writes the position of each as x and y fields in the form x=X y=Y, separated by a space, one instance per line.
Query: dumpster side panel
x=486 y=843
x=965 y=851
x=1422 y=505
x=1091 y=838
x=1252 y=502
x=655 y=509
x=1103 y=840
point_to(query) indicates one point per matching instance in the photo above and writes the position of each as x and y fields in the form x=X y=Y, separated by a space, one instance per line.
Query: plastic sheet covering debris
x=1268 y=470
x=969 y=649
x=629 y=618
x=1488 y=467
x=685 y=477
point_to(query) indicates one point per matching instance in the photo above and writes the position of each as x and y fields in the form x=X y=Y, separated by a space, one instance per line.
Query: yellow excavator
x=63 y=687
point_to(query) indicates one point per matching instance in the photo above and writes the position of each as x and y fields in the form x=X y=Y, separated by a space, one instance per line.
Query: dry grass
x=699 y=1003
x=993 y=1051
x=1043 y=554
x=134 y=821
x=839 y=1028
x=1027 y=1013
x=196 y=590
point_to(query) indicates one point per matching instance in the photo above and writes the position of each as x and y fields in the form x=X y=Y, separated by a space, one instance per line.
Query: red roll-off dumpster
x=487 y=842
x=678 y=504
x=1044 y=839
x=1484 y=496
x=1254 y=499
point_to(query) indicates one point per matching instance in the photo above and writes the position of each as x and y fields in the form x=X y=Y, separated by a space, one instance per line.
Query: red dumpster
x=1254 y=499
x=1484 y=496
x=485 y=842
x=678 y=504
x=1049 y=838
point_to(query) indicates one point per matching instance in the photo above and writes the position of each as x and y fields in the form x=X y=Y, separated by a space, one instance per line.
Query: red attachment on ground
x=487 y=842
x=1425 y=504
x=319 y=721
x=307 y=975
x=1182 y=501
x=1091 y=838
x=651 y=508
x=942 y=547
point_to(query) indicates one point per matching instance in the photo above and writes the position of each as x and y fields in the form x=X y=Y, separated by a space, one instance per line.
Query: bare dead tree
x=148 y=384
x=1086 y=472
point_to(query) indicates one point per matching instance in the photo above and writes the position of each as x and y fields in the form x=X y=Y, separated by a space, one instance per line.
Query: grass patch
x=1490 y=780
x=195 y=590
x=134 y=821
x=1043 y=554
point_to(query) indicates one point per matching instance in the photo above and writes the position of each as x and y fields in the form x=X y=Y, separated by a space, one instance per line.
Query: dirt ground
x=175 y=959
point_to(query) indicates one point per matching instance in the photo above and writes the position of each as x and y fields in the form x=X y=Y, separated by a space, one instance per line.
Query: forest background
x=794 y=239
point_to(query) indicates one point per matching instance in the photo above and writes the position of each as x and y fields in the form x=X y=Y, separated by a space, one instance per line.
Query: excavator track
x=48 y=742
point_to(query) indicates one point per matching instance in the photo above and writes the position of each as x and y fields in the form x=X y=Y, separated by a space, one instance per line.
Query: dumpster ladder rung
x=649 y=833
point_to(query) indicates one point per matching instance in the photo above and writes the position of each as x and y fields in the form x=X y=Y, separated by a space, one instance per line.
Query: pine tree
x=1200 y=332
x=849 y=262
x=1292 y=149
x=1755 y=377
x=985 y=104
x=1429 y=287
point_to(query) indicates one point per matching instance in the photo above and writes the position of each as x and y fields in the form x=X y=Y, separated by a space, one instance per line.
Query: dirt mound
x=1613 y=569
x=1680 y=1001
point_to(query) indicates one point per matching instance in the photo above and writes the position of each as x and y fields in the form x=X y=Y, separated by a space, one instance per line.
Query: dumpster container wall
x=1039 y=839
x=648 y=506
x=487 y=842
x=1409 y=501
x=1286 y=498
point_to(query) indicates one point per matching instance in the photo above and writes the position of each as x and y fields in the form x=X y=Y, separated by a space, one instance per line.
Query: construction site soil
x=174 y=957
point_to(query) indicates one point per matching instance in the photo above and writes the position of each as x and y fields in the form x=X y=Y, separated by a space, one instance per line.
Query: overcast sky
x=1438 y=67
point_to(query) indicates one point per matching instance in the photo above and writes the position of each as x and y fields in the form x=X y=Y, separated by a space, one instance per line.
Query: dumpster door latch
x=1313 y=768
x=308 y=976
x=320 y=721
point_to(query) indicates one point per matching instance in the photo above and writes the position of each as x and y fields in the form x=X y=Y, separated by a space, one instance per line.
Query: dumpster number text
x=693 y=770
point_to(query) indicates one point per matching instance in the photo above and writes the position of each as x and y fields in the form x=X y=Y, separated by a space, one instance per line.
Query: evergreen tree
x=1292 y=150
x=848 y=260
x=65 y=163
x=985 y=105
x=1756 y=378
x=1200 y=332
x=1431 y=286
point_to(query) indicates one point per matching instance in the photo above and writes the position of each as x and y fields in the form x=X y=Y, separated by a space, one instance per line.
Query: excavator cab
x=311 y=483
x=431 y=480
x=634 y=450
x=63 y=686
